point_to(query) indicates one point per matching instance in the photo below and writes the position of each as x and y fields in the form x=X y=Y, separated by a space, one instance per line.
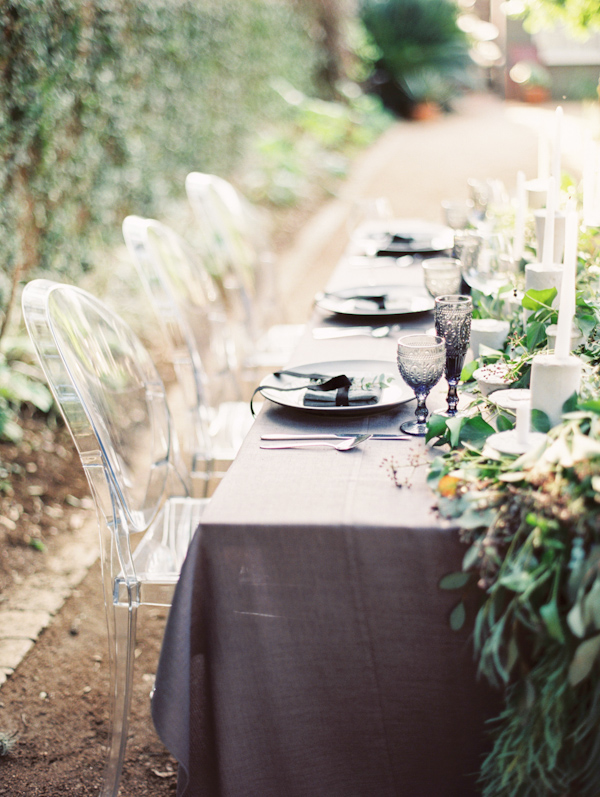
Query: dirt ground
x=56 y=702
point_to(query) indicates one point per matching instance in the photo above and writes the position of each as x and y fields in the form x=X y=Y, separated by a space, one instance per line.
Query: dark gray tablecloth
x=308 y=651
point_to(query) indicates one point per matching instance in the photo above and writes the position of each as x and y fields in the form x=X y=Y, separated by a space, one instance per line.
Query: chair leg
x=122 y=650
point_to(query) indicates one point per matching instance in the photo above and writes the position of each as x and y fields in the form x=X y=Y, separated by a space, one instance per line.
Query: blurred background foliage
x=107 y=104
x=581 y=17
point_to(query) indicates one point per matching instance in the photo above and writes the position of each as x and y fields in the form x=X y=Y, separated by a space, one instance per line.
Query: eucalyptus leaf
x=511 y=477
x=454 y=426
x=475 y=431
x=436 y=471
x=472 y=555
x=512 y=654
x=583 y=660
x=575 y=620
x=516 y=580
x=467 y=372
x=503 y=423
x=436 y=427
x=540 y=422
x=536 y=334
x=474 y=518
x=570 y=404
x=593 y=405
x=458 y=616
x=551 y=618
x=454 y=580
x=586 y=324
x=534 y=300
x=591 y=606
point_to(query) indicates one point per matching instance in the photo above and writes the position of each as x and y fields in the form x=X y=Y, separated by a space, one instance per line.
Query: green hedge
x=105 y=105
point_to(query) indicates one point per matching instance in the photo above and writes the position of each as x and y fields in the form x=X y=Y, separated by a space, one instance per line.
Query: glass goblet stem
x=421 y=411
x=452 y=397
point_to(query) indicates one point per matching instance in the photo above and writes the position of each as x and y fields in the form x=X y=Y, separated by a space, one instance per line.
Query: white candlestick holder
x=540 y=278
x=536 y=193
x=553 y=381
x=576 y=337
x=559 y=235
x=490 y=332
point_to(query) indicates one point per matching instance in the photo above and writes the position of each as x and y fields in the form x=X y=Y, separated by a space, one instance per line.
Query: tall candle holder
x=555 y=377
x=558 y=247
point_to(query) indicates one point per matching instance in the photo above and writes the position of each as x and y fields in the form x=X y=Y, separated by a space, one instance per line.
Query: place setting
x=400 y=237
x=337 y=388
x=381 y=301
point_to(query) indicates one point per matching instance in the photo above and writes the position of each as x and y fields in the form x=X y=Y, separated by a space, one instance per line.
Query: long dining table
x=308 y=650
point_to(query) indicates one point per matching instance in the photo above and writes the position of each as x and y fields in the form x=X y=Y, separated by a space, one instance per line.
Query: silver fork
x=342 y=445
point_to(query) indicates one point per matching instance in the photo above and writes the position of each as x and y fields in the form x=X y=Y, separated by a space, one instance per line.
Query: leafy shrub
x=421 y=52
x=105 y=105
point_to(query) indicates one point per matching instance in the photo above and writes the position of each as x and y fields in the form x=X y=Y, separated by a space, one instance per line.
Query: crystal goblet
x=442 y=275
x=453 y=316
x=489 y=266
x=421 y=360
x=457 y=212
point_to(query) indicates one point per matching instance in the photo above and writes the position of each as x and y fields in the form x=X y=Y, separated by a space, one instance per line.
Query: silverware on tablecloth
x=344 y=444
x=332 y=436
x=366 y=261
x=327 y=333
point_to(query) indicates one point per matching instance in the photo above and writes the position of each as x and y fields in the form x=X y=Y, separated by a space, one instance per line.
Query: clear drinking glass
x=421 y=360
x=457 y=212
x=487 y=261
x=368 y=224
x=453 y=316
x=442 y=275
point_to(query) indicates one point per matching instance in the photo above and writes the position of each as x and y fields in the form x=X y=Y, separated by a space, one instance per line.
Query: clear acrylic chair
x=229 y=240
x=114 y=404
x=204 y=354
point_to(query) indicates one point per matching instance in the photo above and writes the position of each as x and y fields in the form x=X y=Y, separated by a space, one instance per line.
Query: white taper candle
x=547 y=258
x=519 y=236
x=566 y=307
x=558 y=116
x=543 y=156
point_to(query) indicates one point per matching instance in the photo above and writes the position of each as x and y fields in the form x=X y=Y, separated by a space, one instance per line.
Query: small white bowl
x=492 y=377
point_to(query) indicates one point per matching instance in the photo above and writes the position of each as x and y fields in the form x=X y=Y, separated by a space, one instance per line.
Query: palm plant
x=422 y=53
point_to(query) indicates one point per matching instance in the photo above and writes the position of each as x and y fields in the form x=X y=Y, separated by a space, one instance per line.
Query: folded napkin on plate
x=378 y=300
x=341 y=397
x=399 y=244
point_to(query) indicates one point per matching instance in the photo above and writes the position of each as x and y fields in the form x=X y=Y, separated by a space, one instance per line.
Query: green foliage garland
x=533 y=529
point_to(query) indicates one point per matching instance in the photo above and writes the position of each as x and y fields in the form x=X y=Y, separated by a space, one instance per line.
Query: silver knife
x=333 y=436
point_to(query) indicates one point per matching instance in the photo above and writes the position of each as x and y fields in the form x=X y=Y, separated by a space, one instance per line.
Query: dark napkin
x=341 y=397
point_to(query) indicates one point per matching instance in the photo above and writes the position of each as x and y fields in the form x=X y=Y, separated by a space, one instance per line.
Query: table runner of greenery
x=532 y=527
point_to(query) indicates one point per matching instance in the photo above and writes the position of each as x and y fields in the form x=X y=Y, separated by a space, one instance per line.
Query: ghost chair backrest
x=114 y=404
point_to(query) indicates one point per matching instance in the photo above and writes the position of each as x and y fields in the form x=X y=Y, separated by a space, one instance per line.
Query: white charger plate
x=400 y=300
x=393 y=395
x=421 y=236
